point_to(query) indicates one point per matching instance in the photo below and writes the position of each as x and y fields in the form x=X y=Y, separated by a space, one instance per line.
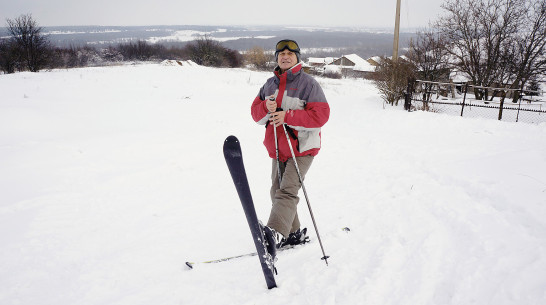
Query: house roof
x=360 y=63
x=458 y=77
x=320 y=60
x=316 y=60
x=403 y=57
x=376 y=59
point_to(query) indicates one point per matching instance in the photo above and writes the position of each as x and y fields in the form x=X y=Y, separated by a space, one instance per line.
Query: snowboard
x=234 y=160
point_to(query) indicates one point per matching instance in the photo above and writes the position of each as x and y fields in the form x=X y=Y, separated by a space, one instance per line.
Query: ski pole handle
x=272 y=98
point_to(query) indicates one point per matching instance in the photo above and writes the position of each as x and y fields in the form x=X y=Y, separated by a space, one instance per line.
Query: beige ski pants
x=284 y=215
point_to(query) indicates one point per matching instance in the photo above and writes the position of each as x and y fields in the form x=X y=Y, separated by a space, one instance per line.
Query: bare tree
x=429 y=55
x=27 y=35
x=206 y=51
x=528 y=60
x=479 y=33
x=391 y=79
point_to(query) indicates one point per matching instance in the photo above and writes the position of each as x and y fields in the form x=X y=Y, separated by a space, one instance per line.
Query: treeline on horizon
x=203 y=51
x=27 y=49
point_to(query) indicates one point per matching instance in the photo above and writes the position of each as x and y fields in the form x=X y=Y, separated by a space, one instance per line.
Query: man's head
x=287 y=54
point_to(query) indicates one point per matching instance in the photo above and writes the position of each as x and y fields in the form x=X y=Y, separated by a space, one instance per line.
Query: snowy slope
x=111 y=178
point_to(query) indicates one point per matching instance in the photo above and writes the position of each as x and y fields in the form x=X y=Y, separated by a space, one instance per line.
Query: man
x=293 y=98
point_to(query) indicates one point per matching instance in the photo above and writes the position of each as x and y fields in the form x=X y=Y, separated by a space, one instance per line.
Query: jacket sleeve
x=258 y=110
x=315 y=113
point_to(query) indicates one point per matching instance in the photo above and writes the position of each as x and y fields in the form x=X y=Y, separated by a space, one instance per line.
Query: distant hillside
x=314 y=41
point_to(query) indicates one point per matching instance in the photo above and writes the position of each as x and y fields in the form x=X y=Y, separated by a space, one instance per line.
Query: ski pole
x=277 y=153
x=277 y=146
x=325 y=257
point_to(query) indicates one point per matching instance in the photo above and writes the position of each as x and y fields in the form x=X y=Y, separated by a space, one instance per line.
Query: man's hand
x=271 y=105
x=277 y=118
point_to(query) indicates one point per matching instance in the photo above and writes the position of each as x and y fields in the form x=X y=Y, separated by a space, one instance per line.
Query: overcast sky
x=354 y=13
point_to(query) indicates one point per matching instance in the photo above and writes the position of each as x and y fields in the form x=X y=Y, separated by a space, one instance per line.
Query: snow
x=332 y=69
x=182 y=35
x=172 y=62
x=112 y=178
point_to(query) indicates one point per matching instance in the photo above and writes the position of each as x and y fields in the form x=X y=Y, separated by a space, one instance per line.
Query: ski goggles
x=287 y=44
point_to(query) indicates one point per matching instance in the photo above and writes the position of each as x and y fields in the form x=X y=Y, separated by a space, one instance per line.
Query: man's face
x=287 y=59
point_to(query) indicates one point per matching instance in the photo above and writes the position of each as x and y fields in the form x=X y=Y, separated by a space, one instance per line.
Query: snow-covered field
x=112 y=178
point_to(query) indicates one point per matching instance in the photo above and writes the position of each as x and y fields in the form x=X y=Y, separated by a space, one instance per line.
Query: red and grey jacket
x=306 y=108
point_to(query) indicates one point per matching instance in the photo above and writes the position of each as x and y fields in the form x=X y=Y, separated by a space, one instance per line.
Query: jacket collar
x=290 y=73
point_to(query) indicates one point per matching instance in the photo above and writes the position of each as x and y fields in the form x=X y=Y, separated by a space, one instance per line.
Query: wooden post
x=396 y=32
x=464 y=97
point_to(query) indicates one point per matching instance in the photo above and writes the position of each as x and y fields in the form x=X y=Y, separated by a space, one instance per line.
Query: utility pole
x=396 y=32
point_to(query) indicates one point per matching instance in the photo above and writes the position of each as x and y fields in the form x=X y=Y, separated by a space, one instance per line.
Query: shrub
x=141 y=50
x=208 y=52
x=257 y=58
x=9 y=56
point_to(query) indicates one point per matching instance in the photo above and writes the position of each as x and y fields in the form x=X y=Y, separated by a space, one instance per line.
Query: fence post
x=519 y=106
x=408 y=95
x=464 y=96
x=501 y=106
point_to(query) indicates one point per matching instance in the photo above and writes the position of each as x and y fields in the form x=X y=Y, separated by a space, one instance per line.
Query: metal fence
x=468 y=100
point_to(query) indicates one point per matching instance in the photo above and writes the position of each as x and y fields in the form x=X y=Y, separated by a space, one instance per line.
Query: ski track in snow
x=111 y=178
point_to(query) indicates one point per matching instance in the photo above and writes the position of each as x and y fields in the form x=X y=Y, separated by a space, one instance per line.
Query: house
x=315 y=62
x=374 y=61
x=318 y=63
x=307 y=68
x=354 y=65
x=402 y=57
